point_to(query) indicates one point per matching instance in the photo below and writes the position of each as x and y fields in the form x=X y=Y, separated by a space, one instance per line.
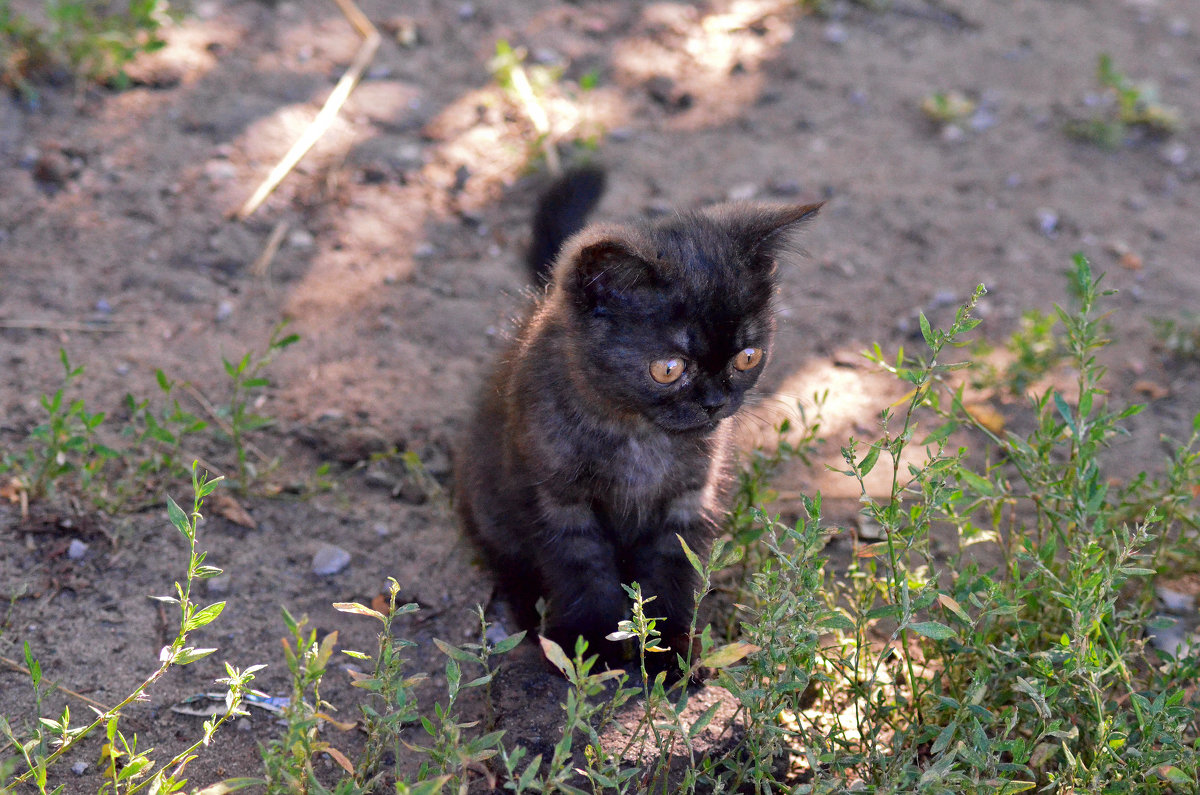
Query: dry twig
x=103 y=327
x=261 y=265
x=16 y=666
x=329 y=111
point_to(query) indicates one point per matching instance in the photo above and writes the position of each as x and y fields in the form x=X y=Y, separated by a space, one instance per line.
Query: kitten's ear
x=764 y=229
x=606 y=267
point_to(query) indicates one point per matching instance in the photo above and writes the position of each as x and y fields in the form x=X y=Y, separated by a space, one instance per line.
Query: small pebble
x=218 y=585
x=836 y=34
x=79 y=768
x=869 y=530
x=220 y=170
x=982 y=119
x=1175 y=154
x=942 y=298
x=77 y=549
x=1173 y=639
x=1175 y=601
x=103 y=307
x=224 y=311
x=1137 y=202
x=300 y=238
x=1047 y=222
x=243 y=724
x=743 y=192
x=952 y=133
x=381 y=529
x=495 y=633
x=330 y=559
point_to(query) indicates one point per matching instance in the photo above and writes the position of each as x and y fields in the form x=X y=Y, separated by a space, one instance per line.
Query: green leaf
x=690 y=555
x=204 y=616
x=979 y=485
x=231 y=785
x=509 y=643
x=704 y=719
x=943 y=739
x=1064 y=411
x=431 y=786
x=454 y=652
x=926 y=331
x=207 y=487
x=178 y=518
x=834 y=619
x=188 y=655
x=35 y=668
x=1176 y=776
x=868 y=461
x=932 y=629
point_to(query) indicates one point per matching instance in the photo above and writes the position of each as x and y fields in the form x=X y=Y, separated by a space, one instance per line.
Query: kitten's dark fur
x=579 y=467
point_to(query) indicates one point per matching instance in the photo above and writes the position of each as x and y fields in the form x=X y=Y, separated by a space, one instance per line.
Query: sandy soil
x=400 y=268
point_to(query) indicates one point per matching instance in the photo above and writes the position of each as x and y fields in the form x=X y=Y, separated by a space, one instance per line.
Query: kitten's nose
x=714 y=401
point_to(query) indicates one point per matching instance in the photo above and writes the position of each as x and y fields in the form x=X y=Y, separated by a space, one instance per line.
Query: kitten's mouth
x=702 y=427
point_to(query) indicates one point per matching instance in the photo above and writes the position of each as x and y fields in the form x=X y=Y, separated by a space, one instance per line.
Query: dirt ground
x=401 y=265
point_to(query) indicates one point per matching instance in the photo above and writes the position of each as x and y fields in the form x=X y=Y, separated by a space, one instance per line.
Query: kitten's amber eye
x=666 y=371
x=748 y=358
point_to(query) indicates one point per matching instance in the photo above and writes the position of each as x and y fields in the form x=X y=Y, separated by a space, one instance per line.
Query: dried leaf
x=729 y=654
x=341 y=759
x=232 y=510
x=1151 y=389
x=987 y=416
x=15 y=492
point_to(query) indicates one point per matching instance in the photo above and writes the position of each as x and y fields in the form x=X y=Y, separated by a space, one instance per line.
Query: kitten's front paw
x=678 y=647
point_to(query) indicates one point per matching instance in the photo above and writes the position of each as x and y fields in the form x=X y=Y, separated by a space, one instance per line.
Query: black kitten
x=601 y=434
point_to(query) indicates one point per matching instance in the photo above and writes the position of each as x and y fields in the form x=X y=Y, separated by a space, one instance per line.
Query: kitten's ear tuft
x=605 y=268
x=765 y=229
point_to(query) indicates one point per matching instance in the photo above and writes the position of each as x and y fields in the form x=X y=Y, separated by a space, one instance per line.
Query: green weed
x=247 y=381
x=76 y=452
x=537 y=90
x=947 y=107
x=288 y=760
x=93 y=41
x=1125 y=107
x=1179 y=336
x=128 y=769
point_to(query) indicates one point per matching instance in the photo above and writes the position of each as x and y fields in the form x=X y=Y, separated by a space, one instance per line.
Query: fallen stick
x=66 y=325
x=16 y=666
x=329 y=111
x=261 y=265
x=211 y=410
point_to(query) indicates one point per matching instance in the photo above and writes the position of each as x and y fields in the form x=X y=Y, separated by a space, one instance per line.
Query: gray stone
x=330 y=559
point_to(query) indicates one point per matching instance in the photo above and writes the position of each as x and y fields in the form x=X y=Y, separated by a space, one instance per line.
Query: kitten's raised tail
x=562 y=211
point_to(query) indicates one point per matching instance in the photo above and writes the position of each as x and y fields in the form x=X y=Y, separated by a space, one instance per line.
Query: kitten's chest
x=641 y=478
x=643 y=469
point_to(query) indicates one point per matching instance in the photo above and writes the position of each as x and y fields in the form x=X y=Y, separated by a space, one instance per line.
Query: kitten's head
x=672 y=321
